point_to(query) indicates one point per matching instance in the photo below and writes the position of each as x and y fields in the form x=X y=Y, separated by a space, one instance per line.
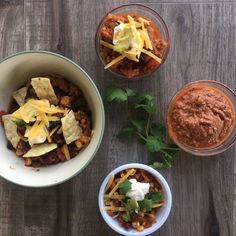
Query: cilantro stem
x=141 y=136
x=166 y=161
x=167 y=154
x=151 y=133
x=148 y=124
x=170 y=148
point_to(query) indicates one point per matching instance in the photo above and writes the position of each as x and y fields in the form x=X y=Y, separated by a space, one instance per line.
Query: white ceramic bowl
x=15 y=71
x=162 y=213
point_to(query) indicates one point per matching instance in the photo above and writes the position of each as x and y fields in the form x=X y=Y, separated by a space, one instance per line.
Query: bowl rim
x=157 y=15
x=164 y=185
x=99 y=98
x=210 y=151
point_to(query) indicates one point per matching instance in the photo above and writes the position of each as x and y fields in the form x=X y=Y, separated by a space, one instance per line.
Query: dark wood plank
x=199 y=51
x=46 y=211
x=43 y=24
x=203 y=46
x=11 y=41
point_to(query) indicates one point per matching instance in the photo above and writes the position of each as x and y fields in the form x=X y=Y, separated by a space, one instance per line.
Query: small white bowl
x=162 y=213
x=15 y=71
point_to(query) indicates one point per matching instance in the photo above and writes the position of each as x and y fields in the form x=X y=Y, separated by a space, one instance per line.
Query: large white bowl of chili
x=16 y=70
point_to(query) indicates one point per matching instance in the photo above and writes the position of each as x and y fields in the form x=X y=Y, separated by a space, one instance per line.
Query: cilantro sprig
x=151 y=133
x=147 y=203
x=125 y=186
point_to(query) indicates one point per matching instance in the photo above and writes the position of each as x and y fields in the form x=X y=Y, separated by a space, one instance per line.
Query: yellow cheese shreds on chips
x=40 y=149
x=20 y=95
x=39 y=110
x=37 y=133
x=70 y=127
x=11 y=130
x=44 y=89
x=25 y=113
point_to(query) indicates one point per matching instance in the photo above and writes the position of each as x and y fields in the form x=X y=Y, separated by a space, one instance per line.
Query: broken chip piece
x=11 y=130
x=44 y=89
x=20 y=95
x=70 y=127
x=40 y=149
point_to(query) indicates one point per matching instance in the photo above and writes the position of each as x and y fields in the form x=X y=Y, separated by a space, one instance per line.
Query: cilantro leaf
x=151 y=133
x=147 y=107
x=156 y=197
x=158 y=164
x=19 y=122
x=126 y=131
x=143 y=97
x=130 y=92
x=146 y=204
x=153 y=144
x=125 y=186
x=139 y=125
x=126 y=217
x=132 y=205
x=146 y=102
x=114 y=94
x=158 y=130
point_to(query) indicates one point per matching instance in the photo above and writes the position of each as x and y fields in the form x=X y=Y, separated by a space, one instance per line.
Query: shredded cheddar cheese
x=116 y=196
x=113 y=208
x=119 y=58
x=66 y=152
x=41 y=113
x=131 y=39
x=130 y=172
x=151 y=55
x=109 y=182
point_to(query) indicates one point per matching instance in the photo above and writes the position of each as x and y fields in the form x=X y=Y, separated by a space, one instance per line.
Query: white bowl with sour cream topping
x=162 y=213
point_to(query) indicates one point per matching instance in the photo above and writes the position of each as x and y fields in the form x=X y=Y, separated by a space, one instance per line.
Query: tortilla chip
x=40 y=149
x=20 y=95
x=44 y=89
x=11 y=130
x=70 y=127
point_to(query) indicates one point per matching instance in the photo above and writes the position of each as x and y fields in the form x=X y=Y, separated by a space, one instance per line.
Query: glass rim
x=207 y=151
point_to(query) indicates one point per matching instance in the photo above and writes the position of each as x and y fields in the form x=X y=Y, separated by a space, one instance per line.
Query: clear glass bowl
x=229 y=141
x=146 y=12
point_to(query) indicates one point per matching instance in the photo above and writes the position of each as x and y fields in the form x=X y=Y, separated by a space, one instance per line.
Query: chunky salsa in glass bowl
x=201 y=118
x=132 y=41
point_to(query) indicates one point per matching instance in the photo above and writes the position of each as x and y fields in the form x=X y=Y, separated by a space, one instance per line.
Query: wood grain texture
x=203 y=45
x=11 y=41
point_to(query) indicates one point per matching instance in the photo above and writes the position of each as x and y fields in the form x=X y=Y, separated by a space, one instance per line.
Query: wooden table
x=203 y=46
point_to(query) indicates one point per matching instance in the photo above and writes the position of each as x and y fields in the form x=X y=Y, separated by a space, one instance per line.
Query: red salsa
x=201 y=117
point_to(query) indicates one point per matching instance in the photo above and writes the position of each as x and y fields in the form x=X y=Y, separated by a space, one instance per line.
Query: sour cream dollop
x=138 y=190
x=118 y=33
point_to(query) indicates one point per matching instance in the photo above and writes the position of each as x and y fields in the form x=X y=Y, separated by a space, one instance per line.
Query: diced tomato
x=2 y=113
x=152 y=64
x=107 y=34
